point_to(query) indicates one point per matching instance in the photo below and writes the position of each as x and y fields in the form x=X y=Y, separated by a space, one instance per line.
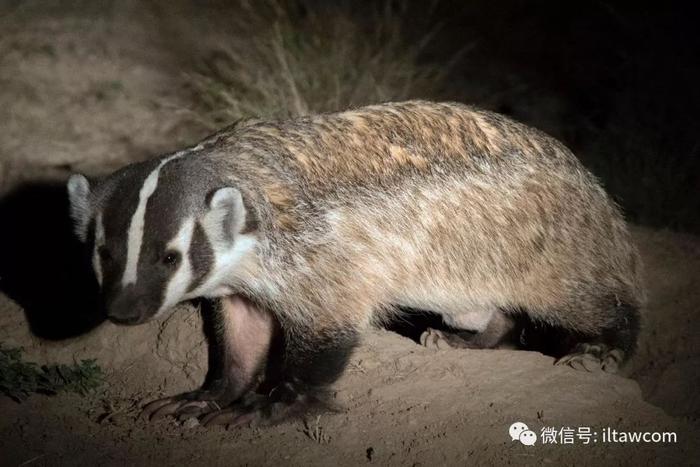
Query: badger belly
x=466 y=315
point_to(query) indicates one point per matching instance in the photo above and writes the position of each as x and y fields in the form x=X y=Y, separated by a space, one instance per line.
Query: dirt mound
x=400 y=404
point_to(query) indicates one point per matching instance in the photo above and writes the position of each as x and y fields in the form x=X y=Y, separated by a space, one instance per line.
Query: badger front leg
x=241 y=335
x=310 y=362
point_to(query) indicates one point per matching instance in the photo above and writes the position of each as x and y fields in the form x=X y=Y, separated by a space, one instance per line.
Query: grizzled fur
x=341 y=219
x=433 y=206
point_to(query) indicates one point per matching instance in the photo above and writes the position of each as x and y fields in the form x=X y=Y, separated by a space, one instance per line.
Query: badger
x=298 y=234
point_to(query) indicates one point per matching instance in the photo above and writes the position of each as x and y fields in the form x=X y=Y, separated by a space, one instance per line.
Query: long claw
x=166 y=410
x=431 y=338
x=580 y=362
x=196 y=408
x=228 y=417
x=444 y=340
x=424 y=338
x=152 y=407
x=222 y=417
x=242 y=419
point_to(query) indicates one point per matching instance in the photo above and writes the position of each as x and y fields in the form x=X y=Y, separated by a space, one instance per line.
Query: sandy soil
x=92 y=91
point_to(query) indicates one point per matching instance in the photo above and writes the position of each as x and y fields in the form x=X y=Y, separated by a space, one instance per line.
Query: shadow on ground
x=43 y=267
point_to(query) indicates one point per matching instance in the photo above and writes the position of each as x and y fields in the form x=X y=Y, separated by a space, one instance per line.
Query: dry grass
x=296 y=58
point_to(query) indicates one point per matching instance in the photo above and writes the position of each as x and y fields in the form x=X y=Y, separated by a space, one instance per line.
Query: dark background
x=618 y=82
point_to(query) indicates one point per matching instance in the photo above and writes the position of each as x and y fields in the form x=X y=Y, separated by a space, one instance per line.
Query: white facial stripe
x=99 y=241
x=180 y=281
x=135 y=234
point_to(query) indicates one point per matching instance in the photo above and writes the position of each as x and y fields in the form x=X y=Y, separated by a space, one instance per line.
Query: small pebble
x=191 y=423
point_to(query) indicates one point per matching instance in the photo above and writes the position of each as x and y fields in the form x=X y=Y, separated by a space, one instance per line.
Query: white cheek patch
x=135 y=234
x=223 y=272
x=181 y=280
x=227 y=244
x=99 y=241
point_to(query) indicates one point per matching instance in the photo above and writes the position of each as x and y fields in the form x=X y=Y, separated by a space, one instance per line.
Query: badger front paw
x=284 y=402
x=188 y=405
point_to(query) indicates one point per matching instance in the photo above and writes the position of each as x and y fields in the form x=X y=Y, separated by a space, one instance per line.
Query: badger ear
x=78 y=193
x=226 y=216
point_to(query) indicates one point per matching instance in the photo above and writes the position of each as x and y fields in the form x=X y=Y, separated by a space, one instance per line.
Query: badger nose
x=124 y=319
x=126 y=307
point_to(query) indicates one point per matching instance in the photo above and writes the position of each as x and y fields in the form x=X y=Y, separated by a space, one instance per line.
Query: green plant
x=19 y=378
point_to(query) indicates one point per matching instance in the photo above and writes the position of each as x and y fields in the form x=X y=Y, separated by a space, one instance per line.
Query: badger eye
x=105 y=255
x=171 y=258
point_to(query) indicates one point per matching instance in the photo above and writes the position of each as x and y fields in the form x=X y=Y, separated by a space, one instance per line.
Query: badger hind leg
x=498 y=330
x=609 y=349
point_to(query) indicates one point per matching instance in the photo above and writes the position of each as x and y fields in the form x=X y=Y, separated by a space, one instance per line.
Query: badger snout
x=128 y=307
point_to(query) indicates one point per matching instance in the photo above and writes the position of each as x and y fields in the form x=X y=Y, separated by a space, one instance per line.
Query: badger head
x=161 y=232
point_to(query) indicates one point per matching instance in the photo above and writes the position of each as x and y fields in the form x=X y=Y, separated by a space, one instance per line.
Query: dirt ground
x=94 y=91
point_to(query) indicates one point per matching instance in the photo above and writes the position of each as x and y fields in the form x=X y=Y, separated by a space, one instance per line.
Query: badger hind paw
x=593 y=357
x=436 y=339
x=433 y=339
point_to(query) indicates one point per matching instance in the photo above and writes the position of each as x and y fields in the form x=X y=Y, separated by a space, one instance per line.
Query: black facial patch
x=90 y=236
x=201 y=256
x=251 y=218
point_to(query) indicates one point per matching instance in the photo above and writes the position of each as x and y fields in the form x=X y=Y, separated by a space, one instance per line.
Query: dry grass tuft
x=287 y=59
